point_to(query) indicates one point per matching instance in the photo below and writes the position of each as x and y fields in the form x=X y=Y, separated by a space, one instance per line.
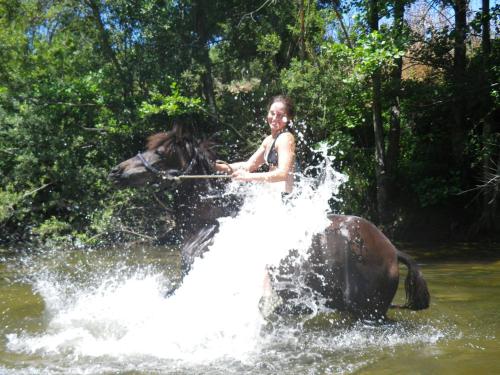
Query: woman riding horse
x=352 y=266
x=275 y=158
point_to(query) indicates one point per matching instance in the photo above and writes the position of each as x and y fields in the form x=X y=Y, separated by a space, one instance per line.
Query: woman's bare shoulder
x=286 y=138
x=267 y=141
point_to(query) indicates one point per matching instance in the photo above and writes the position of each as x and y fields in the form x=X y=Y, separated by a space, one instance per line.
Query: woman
x=277 y=151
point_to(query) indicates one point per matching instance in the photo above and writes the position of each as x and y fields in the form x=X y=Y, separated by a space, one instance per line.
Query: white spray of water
x=214 y=314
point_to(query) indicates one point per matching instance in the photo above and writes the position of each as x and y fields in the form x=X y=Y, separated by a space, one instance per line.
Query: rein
x=194 y=176
x=168 y=176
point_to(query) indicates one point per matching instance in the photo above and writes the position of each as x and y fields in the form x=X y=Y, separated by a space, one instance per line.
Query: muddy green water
x=459 y=334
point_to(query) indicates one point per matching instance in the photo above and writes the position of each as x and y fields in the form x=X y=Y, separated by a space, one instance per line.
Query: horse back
x=356 y=265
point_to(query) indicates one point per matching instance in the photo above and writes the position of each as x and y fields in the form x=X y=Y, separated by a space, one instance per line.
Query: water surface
x=70 y=312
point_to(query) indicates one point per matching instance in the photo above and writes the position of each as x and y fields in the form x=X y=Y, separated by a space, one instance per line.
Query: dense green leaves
x=82 y=83
x=172 y=105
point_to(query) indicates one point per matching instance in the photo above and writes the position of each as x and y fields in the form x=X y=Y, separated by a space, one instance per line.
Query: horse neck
x=193 y=207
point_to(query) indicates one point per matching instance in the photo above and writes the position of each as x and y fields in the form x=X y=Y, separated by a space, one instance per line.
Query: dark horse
x=351 y=265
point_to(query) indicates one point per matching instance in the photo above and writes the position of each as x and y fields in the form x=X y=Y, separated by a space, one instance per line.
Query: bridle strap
x=166 y=175
x=150 y=168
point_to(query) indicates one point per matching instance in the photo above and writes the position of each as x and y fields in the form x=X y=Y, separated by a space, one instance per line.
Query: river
x=105 y=311
x=81 y=311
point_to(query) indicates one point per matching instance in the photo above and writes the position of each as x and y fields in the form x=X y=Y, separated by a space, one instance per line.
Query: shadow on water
x=458 y=334
x=457 y=251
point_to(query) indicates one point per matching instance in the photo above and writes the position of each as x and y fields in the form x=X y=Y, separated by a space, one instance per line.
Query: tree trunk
x=458 y=133
x=200 y=10
x=393 y=147
x=302 y=41
x=108 y=50
x=336 y=5
x=380 y=162
x=490 y=148
x=486 y=34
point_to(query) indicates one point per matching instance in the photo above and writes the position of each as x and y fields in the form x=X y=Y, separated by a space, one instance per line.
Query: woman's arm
x=285 y=147
x=252 y=164
x=256 y=160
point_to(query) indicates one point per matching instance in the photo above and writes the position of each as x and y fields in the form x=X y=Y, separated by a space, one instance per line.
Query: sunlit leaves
x=374 y=51
x=172 y=105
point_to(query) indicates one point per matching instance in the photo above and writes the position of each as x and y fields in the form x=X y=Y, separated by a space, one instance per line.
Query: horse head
x=168 y=155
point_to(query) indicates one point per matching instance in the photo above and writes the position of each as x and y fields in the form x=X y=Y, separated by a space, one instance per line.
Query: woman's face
x=277 y=116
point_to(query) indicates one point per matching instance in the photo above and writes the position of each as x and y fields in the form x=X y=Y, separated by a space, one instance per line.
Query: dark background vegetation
x=406 y=91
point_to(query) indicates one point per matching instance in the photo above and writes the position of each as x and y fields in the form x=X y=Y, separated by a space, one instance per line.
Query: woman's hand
x=241 y=175
x=224 y=167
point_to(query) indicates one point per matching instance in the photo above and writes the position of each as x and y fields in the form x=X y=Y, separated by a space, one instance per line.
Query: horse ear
x=177 y=130
x=161 y=150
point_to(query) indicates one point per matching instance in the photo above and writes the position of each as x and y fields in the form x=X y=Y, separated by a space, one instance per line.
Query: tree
x=378 y=129
x=393 y=147
x=89 y=80
x=458 y=131
x=490 y=180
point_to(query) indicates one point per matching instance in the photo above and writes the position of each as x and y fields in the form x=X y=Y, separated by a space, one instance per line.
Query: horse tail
x=417 y=293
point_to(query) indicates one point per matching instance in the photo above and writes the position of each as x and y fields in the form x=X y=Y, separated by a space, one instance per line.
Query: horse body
x=352 y=265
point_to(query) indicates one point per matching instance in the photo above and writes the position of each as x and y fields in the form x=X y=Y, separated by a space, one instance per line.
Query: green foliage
x=435 y=190
x=8 y=201
x=81 y=88
x=52 y=228
x=172 y=105
x=269 y=44
x=374 y=51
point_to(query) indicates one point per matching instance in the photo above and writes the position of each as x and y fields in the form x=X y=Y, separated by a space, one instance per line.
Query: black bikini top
x=272 y=155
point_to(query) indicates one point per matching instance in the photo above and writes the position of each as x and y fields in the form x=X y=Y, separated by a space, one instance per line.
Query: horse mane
x=159 y=139
x=177 y=141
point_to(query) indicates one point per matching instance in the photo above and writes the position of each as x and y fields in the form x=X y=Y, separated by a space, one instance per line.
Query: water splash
x=120 y=312
x=214 y=314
